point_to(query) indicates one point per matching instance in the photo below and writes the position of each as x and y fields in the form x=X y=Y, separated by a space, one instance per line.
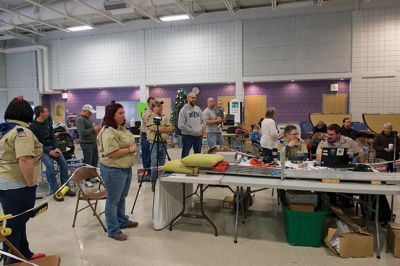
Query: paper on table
x=100 y=112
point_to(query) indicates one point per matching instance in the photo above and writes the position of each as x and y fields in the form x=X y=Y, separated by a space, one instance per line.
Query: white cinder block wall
x=297 y=45
x=361 y=45
x=3 y=77
x=376 y=57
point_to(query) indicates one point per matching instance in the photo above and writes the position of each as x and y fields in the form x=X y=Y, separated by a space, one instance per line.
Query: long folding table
x=317 y=186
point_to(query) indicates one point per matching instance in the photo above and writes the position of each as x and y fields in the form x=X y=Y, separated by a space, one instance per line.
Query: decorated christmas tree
x=180 y=101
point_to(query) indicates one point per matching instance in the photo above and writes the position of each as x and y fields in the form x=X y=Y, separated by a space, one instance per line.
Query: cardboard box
x=304 y=207
x=301 y=197
x=352 y=245
x=356 y=244
x=393 y=239
x=228 y=202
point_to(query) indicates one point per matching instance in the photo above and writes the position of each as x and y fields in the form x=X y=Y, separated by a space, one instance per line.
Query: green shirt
x=152 y=128
x=19 y=142
x=110 y=140
x=291 y=152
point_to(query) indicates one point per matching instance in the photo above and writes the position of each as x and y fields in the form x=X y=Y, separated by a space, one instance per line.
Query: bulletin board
x=375 y=121
x=58 y=112
x=130 y=108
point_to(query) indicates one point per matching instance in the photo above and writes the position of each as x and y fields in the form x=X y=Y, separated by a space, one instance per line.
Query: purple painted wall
x=95 y=97
x=206 y=91
x=294 y=101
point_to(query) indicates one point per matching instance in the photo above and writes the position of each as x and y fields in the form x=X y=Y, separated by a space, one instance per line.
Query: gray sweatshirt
x=191 y=121
x=85 y=128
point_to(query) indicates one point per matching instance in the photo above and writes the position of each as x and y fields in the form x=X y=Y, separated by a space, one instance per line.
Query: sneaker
x=57 y=198
x=95 y=180
x=130 y=224
x=88 y=183
x=37 y=256
x=70 y=193
x=119 y=236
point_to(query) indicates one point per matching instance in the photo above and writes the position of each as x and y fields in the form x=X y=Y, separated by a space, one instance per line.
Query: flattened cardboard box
x=356 y=244
x=352 y=245
x=393 y=239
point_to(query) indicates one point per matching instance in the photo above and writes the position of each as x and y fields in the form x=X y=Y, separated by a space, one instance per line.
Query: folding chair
x=45 y=261
x=91 y=197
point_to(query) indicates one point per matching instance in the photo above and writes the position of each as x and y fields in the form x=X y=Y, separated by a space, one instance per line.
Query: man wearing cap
x=165 y=128
x=144 y=143
x=87 y=136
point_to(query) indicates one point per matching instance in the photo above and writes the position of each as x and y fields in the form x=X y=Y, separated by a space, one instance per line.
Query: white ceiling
x=21 y=19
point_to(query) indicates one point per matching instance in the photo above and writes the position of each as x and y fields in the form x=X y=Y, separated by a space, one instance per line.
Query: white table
x=201 y=180
x=309 y=185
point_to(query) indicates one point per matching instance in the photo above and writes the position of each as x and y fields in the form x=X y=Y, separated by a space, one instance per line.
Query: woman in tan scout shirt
x=20 y=155
x=116 y=148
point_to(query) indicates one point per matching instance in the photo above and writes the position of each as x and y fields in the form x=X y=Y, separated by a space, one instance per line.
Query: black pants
x=267 y=155
x=90 y=154
x=15 y=201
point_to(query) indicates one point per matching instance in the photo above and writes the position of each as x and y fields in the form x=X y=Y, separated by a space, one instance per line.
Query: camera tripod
x=157 y=142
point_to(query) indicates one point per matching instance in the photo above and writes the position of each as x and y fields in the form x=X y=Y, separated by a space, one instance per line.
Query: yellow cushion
x=202 y=160
x=176 y=166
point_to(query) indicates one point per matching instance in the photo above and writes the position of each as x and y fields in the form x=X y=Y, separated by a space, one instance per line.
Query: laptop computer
x=336 y=158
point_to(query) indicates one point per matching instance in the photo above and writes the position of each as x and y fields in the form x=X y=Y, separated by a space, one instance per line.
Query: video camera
x=157 y=121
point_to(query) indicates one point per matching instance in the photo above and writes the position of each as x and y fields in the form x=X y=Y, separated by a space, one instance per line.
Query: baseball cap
x=88 y=107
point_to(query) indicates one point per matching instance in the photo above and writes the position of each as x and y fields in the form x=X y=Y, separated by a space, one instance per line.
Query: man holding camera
x=44 y=133
x=157 y=121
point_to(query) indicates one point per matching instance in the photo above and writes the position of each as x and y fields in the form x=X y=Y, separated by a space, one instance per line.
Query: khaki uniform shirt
x=145 y=116
x=291 y=152
x=344 y=142
x=19 y=142
x=110 y=140
x=152 y=129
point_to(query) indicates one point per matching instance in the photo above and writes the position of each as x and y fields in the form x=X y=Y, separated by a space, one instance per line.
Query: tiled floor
x=262 y=239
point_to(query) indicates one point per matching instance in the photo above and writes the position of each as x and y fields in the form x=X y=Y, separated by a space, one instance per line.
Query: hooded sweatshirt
x=191 y=121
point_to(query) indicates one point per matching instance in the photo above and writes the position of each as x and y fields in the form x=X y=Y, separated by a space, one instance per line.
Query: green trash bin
x=304 y=228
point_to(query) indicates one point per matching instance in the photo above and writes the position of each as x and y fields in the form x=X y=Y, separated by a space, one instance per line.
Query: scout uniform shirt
x=110 y=140
x=291 y=152
x=145 y=115
x=343 y=142
x=16 y=143
x=152 y=129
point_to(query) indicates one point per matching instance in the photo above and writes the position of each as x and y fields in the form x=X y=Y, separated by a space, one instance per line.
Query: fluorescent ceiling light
x=80 y=28
x=175 y=17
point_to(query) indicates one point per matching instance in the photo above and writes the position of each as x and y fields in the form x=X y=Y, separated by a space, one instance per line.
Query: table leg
x=378 y=242
x=391 y=209
x=237 y=215
x=203 y=213
x=183 y=206
x=240 y=199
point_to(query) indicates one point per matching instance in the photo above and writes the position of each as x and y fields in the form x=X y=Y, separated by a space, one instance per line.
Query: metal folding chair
x=90 y=196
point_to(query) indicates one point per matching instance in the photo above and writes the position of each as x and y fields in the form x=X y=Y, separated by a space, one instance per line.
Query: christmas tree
x=180 y=101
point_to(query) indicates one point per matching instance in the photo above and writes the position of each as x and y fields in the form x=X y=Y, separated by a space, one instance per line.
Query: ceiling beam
x=19 y=36
x=274 y=5
x=229 y=6
x=143 y=12
x=184 y=7
x=33 y=19
x=21 y=28
x=58 y=12
x=100 y=12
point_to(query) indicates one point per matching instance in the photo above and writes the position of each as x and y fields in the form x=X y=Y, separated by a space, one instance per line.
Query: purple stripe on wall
x=294 y=101
x=95 y=97
x=206 y=91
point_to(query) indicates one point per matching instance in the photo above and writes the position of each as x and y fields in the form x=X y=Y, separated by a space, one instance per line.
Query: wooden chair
x=45 y=261
x=91 y=197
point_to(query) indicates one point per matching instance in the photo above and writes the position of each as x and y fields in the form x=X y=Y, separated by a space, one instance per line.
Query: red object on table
x=221 y=167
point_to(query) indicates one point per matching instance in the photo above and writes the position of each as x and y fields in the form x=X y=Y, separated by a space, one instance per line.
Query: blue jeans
x=161 y=159
x=90 y=154
x=50 y=173
x=191 y=141
x=145 y=150
x=117 y=182
x=16 y=201
x=214 y=139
